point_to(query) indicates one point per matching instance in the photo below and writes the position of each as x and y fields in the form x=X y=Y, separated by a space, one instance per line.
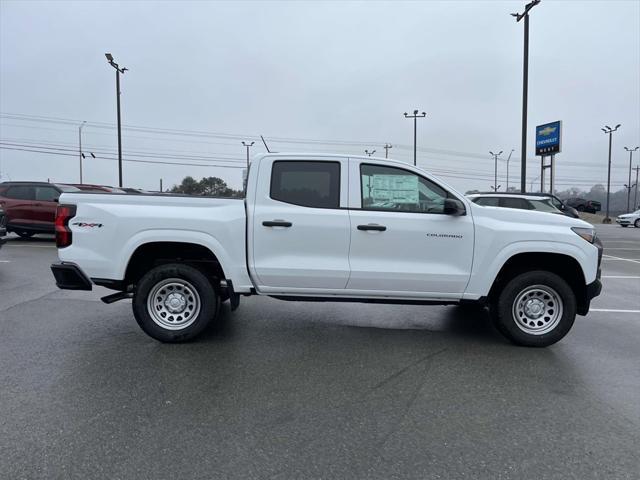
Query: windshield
x=544 y=205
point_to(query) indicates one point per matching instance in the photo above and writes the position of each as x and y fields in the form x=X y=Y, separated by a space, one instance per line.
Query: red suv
x=30 y=207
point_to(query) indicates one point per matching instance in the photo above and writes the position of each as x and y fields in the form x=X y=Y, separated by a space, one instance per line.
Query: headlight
x=589 y=234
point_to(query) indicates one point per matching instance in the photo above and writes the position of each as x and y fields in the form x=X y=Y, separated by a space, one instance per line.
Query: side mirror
x=453 y=206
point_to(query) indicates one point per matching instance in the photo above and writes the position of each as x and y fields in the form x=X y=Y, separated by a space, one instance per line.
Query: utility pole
x=495 y=169
x=635 y=195
x=415 y=117
x=509 y=158
x=608 y=130
x=525 y=91
x=369 y=152
x=119 y=70
x=248 y=145
x=387 y=146
x=628 y=185
x=161 y=186
x=80 y=147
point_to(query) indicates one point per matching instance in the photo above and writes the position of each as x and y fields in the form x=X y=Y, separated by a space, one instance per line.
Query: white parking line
x=611 y=257
x=620 y=276
x=612 y=310
x=5 y=261
x=30 y=246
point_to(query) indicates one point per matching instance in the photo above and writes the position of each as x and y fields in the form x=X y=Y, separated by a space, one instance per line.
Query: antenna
x=265 y=144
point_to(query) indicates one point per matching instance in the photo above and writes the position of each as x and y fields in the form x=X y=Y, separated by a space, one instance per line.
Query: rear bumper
x=69 y=277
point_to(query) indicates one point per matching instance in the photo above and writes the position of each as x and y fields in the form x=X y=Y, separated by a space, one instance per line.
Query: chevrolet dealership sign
x=549 y=138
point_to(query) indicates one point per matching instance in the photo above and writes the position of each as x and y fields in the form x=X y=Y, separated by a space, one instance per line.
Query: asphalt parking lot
x=311 y=390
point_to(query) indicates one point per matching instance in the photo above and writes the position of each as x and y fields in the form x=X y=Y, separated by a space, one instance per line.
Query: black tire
x=200 y=306
x=538 y=331
x=624 y=226
x=637 y=223
x=24 y=234
x=580 y=208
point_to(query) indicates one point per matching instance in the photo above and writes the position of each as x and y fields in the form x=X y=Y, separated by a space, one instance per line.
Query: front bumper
x=623 y=221
x=69 y=277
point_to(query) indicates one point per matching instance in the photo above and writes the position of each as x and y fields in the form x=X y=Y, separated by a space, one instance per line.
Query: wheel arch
x=565 y=266
x=151 y=254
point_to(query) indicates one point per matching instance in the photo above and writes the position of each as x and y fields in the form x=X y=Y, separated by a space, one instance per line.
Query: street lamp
x=369 y=152
x=629 y=186
x=386 y=147
x=248 y=145
x=495 y=170
x=80 y=147
x=415 y=117
x=525 y=89
x=608 y=130
x=509 y=158
x=119 y=70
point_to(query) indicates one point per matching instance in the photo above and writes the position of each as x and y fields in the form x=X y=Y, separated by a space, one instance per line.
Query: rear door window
x=306 y=183
x=21 y=192
x=520 y=203
x=487 y=201
x=47 y=194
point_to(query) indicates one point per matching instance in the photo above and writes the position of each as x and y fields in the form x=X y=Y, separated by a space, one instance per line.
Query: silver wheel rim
x=173 y=304
x=537 y=309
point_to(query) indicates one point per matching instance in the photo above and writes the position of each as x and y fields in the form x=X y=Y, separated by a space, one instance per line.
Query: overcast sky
x=332 y=71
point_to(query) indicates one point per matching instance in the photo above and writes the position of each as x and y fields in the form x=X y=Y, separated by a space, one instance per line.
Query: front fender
x=486 y=269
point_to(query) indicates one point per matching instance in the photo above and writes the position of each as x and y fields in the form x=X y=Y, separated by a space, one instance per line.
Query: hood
x=527 y=216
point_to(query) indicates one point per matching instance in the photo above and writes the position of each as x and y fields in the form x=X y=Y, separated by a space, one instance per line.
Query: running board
x=114 y=297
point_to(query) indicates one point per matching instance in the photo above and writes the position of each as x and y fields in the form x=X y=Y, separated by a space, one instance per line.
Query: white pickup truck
x=328 y=228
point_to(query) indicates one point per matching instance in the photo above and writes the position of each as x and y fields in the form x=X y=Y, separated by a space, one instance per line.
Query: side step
x=114 y=297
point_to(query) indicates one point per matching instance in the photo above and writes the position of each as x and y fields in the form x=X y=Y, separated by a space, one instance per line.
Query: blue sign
x=549 y=138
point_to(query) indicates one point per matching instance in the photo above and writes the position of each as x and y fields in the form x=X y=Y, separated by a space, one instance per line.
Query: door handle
x=277 y=223
x=372 y=227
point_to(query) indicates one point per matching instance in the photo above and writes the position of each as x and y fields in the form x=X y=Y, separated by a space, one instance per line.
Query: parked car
x=3 y=229
x=523 y=201
x=318 y=228
x=86 y=187
x=30 y=207
x=627 y=219
x=583 y=205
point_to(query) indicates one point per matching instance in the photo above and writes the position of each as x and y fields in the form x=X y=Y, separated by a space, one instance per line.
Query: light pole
x=635 y=194
x=532 y=182
x=525 y=91
x=495 y=169
x=369 y=152
x=119 y=70
x=248 y=145
x=608 y=130
x=509 y=158
x=629 y=186
x=387 y=146
x=415 y=117
x=80 y=147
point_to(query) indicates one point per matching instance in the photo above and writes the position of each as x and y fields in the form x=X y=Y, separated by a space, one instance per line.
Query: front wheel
x=24 y=234
x=535 y=309
x=623 y=226
x=637 y=223
x=174 y=303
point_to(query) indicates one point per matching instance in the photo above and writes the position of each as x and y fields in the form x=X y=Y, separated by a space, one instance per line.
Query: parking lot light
x=608 y=130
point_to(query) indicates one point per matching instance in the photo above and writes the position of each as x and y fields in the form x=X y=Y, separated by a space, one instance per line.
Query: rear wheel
x=174 y=303
x=535 y=309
